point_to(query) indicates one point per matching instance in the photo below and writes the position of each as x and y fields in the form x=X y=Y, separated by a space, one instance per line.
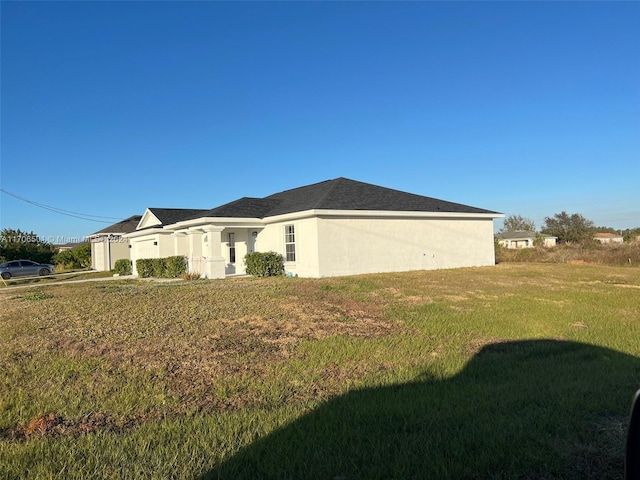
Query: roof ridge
x=334 y=184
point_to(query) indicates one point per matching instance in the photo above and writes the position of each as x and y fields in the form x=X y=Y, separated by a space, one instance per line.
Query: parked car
x=25 y=268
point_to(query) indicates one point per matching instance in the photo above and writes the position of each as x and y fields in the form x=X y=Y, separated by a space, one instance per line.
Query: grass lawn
x=522 y=371
x=59 y=276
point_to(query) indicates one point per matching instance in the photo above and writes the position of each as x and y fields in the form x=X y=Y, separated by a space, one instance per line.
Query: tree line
x=568 y=228
x=16 y=245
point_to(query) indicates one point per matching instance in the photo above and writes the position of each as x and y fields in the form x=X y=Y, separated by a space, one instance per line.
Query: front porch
x=215 y=251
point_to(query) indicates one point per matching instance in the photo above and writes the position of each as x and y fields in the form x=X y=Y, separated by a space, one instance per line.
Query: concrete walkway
x=68 y=282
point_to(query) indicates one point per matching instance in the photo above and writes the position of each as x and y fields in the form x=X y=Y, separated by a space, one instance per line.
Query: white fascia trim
x=145 y=232
x=98 y=235
x=377 y=213
x=221 y=221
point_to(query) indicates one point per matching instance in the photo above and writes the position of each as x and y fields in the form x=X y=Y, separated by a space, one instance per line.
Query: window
x=232 y=247
x=289 y=243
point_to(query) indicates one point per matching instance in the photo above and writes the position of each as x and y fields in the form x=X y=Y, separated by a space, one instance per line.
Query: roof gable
x=157 y=217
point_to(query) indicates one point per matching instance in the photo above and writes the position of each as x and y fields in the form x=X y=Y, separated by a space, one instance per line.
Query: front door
x=231 y=254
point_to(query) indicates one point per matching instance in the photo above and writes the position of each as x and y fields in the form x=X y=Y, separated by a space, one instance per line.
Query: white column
x=178 y=238
x=195 y=251
x=214 y=262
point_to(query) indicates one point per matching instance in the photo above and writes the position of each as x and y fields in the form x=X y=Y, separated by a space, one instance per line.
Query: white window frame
x=231 y=236
x=289 y=243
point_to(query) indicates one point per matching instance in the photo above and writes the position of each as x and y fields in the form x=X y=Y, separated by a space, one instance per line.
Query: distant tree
x=568 y=228
x=82 y=254
x=64 y=259
x=518 y=222
x=16 y=244
x=630 y=234
x=79 y=257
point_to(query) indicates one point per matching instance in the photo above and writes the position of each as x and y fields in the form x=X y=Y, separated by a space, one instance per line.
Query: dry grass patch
x=204 y=342
x=151 y=380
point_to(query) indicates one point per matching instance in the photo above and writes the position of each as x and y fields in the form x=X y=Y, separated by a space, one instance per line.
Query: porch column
x=194 y=249
x=178 y=239
x=214 y=262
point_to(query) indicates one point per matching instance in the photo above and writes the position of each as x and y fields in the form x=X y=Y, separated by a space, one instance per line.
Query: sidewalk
x=68 y=282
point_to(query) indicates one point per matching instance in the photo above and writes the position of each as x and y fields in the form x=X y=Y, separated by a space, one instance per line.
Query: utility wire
x=83 y=216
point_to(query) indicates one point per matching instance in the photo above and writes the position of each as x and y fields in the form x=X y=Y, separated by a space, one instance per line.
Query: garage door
x=99 y=256
x=146 y=249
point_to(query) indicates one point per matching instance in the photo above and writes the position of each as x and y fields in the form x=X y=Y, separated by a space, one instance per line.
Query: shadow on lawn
x=530 y=409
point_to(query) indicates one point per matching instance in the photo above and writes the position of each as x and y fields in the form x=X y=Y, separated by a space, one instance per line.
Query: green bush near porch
x=123 y=266
x=264 y=264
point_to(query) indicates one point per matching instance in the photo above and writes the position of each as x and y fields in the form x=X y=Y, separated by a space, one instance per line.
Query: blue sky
x=528 y=108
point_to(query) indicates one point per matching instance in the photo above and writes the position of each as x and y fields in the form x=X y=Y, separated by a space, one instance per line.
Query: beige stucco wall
x=334 y=246
x=119 y=250
x=105 y=253
x=143 y=247
x=271 y=238
x=368 y=245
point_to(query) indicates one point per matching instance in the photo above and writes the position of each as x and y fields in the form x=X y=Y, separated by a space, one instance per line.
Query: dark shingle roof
x=337 y=194
x=345 y=194
x=167 y=216
x=246 y=207
x=127 y=225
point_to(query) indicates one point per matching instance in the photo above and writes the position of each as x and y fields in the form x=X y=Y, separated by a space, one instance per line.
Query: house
x=524 y=239
x=109 y=244
x=336 y=227
x=608 y=238
x=67 y=247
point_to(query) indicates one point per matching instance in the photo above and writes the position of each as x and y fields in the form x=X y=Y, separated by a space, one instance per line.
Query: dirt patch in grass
x=217 y=346
x=52 y=424
x=205 y=342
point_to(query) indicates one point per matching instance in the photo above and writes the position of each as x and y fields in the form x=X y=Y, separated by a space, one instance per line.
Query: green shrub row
x=123 y=266
x=168 y=267
x=264 y=264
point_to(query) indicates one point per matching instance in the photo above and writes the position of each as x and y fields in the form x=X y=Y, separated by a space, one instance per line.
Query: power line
x=68 y=213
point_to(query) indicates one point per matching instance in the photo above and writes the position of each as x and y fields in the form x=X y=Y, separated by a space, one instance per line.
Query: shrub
x=123 y=266
x=144 y=266
x=190 y=276
x=169 y=267
x=175 y=266
x=158 y=267
x=79 y=257
x=264 y=264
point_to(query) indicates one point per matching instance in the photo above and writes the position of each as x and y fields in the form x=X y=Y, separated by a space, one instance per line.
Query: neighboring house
x=524 y=239
x=67 y=246
x=331 y=228
x=608 y=238
x=108 y=245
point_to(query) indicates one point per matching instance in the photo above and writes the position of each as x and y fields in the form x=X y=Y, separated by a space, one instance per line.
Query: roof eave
x=146 y=231
x=195 y=222
x=379 y=213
